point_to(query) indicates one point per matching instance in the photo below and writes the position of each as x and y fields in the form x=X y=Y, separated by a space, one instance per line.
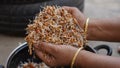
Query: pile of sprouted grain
x=54 y=25
x=31 y=64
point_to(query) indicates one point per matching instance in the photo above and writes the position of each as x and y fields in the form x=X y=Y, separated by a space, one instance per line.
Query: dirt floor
x=93 y=9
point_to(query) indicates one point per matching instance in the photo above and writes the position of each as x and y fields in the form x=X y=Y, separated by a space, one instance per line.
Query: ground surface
x=93 y=9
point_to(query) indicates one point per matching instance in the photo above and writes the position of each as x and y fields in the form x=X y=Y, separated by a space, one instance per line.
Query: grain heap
x=33 y=65
x=54 y=25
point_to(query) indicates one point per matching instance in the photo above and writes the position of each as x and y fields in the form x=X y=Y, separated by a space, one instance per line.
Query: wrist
x=91 y=29
x=80 y=59
x=75 y=56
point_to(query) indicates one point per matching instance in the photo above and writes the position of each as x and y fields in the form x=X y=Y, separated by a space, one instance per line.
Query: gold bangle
x=85 y=30
x=74 y=57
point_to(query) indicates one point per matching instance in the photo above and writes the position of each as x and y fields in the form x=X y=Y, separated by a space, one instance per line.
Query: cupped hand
x=59 y=55
x=56 y=55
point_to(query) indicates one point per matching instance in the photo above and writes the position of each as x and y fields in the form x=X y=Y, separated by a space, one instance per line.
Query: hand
x=80 y=17
x=56 y=55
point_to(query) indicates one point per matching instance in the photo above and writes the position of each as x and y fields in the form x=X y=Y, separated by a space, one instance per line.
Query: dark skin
x=104 y=30
x=98 y=29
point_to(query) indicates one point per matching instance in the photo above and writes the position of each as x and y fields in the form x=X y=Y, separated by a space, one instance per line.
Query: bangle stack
x=85 y=41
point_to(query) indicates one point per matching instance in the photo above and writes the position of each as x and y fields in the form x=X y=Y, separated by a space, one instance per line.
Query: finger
x=39 y=54
x=47 y=47
x=36 y=46
x=69 y=9
x=42 y=56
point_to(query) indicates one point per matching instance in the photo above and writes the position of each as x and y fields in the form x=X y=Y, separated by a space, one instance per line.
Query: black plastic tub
x=20 y=54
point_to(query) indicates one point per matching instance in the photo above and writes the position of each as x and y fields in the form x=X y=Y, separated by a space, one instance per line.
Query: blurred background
x=15 y=15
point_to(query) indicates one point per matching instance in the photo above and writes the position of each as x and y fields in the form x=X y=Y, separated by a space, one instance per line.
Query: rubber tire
x=15 y=18
x=21 y=1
